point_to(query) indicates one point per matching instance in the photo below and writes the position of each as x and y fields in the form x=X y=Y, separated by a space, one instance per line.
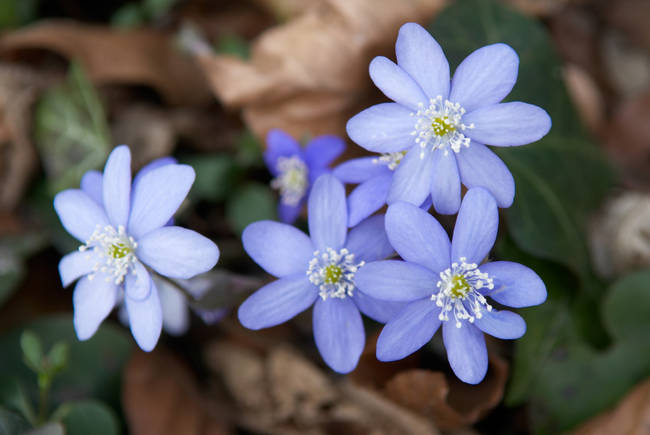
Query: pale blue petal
x=116 y=186
x=507 y=124
x=412 y=178
x=175 y=312
x=279 y=144
x=75 y=265
x=177 y=252
x=327 y=213
x=476 y=226
x=383 y=128
x=422 y=57
x=154 y=164
x=417 y=236
x=445 y=185
x=501 y=324
x=92 y=185
x=339 y=333
x=396 y=83
x=145 y=319
x=378 y=310
x=157 y=196
x=393 y=280
x=356 y=171
x=315 y=172
x=480 y=167
x=288 y=213
x=137 y=283
x=79 y=214
x=515 y=285
x=466 y=351
x=277 y=302
x=323 y=150
x=411 y=329
x=93 y=301
x=368 y=197
x=368 y=240
x=485 y=77
x=280 y=249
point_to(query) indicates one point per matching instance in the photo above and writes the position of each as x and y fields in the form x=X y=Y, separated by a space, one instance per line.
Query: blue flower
x=320 y=271
x=443 y=283
x=295 y=169
x=441 y=126
x=122 y=230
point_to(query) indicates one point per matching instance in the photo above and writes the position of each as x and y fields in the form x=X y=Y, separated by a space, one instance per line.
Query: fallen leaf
x=586 y=96
x=630 y=16
x=627 y=65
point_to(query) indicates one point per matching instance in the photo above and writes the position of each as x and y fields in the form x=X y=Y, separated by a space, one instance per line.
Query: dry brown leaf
x=586 y=96
x=630 y=16
x=310 y=75
x=630 y=417
x=139 y=56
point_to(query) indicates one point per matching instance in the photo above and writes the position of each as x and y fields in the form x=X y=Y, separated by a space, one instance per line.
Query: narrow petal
x=368 y=240
x=157 y=196
x=466 y=351
x=75 y=265
x=515 y=285
x=417 y=236
x=368 y=197
x=145 y=319
x=177 y=252
x=422 y=57
x=393 y=280
x=501 y=324
x=508 y=124
x=138 y=283
x=175 y=312
x=79 y=214
x=485 y=77
x=356 y=171
x=412 y=178
x=339 y=333
x=279 y=144
x=411 y=329
x=93 y=301
x=327 y=213
x=277 y=302
x=445 y=185
x=154 y=164
x=396 y=83
x=116 y=186
x=288 y=213
x=92 y=184
x=378 y=310
x=279 y=249
x=480 y=167
x=476 y=226
x=383 y=128
x=323 y=150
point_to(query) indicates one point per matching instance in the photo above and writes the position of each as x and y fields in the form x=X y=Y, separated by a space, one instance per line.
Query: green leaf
x=13 y=397
x=71 y=131
x=249 y=150
x=128 y=16
x=16 y=13
x=215 y=176
x=12 y=423
x=32 y=351
x=234 y=45
x=48 y=429
x=627 y=307
x=155 y=9
x=87 y=417
x=57 y=357
x=13 y=252
x=250 y=203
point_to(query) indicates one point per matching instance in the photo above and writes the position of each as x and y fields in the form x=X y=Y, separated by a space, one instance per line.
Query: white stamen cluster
x=459 y=293
x=333 y=272
x=292 y=180
x=392 y=160
x=439 y=126
x=114 y=252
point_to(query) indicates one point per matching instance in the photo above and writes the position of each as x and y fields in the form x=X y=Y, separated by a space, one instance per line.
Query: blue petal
x=279 y=144
x=411 y=329
x=501 y=324
x=508 y=124
x=368 y=241
x=323 y=150
x=175 y=312
x=485 y=77
x=417 y=236
x=145 y=319
x=339 y=333
x=383 y=128
x=476 y=226
x=480 y=167
x=515 y=285
x=277 y=302
x=314 y=172
x=154 y=164
x=279 y=249
x=157 y=196
x=116 y=186
x=137 y=284
x=79 y=214
x=288 y=213
x=445 y=185
x=378 y=310
x=75 y=265
x=327 y=213
x=93 y=301
x=368 y=197
x=393 y=280
x=412 y=178
x=177 y=252
x=356 y=171
x=396 y=83
x=92 y=185
x=421 y=56
x=466 y=351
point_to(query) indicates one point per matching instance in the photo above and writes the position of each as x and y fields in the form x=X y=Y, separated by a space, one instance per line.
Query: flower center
x=459 y=293
x=440 y=126
x=333 y=272
x=113 y=250
x=392 y=160
x=292 y=179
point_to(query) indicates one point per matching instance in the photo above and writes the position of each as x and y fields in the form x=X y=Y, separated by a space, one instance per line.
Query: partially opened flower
x=440 y=126
x=295 y=169
x=125 y=238
x=445 y=283
x=319 y=270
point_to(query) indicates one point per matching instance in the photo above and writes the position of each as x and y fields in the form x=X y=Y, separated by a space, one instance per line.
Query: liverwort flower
x=295 y=169
x=441 y=126
x=445 y=283
x=124 y=239
x=319 y=269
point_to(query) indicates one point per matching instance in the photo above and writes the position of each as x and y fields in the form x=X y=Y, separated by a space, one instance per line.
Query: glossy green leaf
x=215 y=176
x=87 y=417
x=250 y=203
